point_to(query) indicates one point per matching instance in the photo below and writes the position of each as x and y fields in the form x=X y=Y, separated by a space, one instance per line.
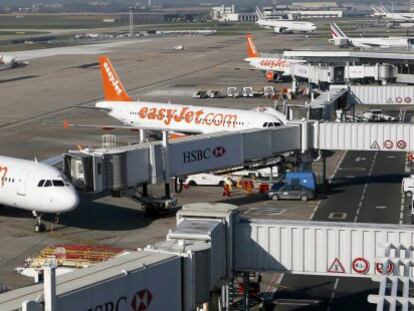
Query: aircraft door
x=21 y=183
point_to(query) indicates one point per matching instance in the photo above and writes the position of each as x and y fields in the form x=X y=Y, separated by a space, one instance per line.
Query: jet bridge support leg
x=294 y=85
x=324 y=181
x=141 y=136
x=246 y=287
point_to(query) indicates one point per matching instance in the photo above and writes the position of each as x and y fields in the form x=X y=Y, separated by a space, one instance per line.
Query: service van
x=408 y=185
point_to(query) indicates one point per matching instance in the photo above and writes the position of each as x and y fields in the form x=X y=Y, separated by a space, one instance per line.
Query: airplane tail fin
x=376 y=9
x=112 y=85
x=383 y=9
x=337 y=32
x=259 y=13
x=251 y=47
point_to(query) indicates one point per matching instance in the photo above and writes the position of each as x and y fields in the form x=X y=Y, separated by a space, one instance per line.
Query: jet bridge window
x=40 y=184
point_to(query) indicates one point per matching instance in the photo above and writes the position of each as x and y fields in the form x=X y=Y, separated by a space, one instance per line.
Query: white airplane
x=186 y=119
x=274 y=67
x=381 y=11
x=35 y=186
x=339 y=38
x=283 y=25
x=8 y=62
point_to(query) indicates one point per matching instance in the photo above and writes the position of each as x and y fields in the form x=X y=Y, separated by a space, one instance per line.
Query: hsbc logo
x=111 y=77
x=203 y=154
x=218 y=152
x=141 y=300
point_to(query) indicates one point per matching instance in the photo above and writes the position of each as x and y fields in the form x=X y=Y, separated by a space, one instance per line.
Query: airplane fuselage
x=382 y=42
x=287 y=25
x=277 y=64
x=188 y=118
x=35 y=187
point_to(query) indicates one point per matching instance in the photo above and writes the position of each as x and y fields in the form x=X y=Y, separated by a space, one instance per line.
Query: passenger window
x=58 y=183
x=48 y=183
x=40 y=184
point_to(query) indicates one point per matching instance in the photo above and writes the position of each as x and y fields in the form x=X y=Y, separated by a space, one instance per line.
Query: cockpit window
x=58 y=183
x=265 y=124
x=40 y=184
x=48 y=183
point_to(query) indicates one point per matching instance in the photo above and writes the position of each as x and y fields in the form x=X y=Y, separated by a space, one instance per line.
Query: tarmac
x=58 y=86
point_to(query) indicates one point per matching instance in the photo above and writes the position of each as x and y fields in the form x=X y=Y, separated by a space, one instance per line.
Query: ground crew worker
x=226 y=190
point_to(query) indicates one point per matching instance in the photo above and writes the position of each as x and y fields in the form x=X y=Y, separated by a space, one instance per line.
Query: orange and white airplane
x=176 y=118
x=274 y=67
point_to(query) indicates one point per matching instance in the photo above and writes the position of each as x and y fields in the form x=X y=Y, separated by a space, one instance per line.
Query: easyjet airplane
x=173 y=117
x=274 y=67
x=35 y=186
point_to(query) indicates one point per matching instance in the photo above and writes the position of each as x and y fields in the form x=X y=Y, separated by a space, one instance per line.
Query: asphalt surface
x=366 y=188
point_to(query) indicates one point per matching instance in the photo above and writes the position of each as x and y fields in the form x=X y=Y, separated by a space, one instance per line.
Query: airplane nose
x=73 y=201
x=68 y=201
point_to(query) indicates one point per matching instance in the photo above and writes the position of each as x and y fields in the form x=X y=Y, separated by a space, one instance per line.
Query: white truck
x=408 y=185
x=377 y=115
x=207 y=180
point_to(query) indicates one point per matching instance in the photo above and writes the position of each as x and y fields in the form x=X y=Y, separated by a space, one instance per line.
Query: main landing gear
x=39 y=226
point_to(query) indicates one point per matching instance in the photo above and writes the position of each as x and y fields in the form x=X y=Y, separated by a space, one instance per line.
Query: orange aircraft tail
x=251 y=47
x=112 y=86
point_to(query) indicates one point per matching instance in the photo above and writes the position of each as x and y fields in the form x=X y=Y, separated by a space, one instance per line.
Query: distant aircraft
x=339 y=38
x=283 y=25
x=184 y=119
x=35 y=186
x=274 y=67
x=381 y=11
x=7 y=62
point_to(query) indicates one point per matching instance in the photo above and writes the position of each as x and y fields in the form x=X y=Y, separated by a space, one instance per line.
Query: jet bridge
x=210 y=245
x=118 y=168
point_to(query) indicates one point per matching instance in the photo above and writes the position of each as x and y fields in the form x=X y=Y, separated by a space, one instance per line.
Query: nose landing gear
x=39 y=226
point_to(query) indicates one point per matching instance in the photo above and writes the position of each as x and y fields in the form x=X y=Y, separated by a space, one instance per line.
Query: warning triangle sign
x=375 y=145
x=336 y=267
x=390 y=101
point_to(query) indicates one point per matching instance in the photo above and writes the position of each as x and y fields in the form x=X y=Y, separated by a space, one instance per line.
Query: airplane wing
x=111 y=127
x=374 y=45
x=240 y=68
x=53 y=160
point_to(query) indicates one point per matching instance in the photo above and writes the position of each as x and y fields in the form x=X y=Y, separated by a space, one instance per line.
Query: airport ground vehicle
x=259 y=173
x=304 y=179
x=292 y=192
x=377 y=115
x=206 y=180
x=408 y=185
x=200 y=94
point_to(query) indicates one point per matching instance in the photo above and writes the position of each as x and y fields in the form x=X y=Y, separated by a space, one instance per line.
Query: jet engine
x=272 y=76
x=280 y=29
